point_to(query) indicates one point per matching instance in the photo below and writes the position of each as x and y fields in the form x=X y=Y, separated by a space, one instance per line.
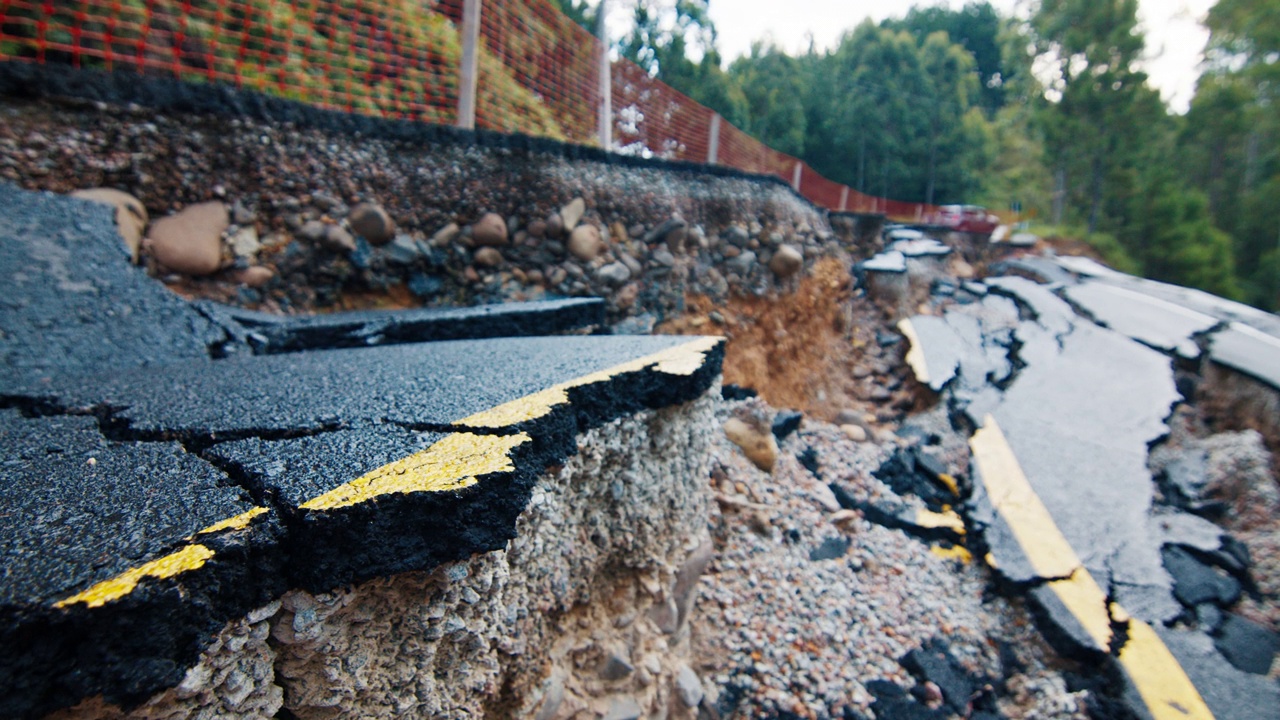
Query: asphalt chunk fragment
x=831 y=548
x=1246 y=644
x=1195 y=582
x=786 y=422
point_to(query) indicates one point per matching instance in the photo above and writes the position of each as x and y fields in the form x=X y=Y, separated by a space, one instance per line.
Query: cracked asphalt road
x=1066 y=393
x=161 y=478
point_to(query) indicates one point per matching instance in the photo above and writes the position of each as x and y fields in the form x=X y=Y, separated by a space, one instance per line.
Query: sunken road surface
x=1066 y=387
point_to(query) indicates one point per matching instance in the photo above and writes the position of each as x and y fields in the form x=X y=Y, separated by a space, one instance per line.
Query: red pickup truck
x=966 y=218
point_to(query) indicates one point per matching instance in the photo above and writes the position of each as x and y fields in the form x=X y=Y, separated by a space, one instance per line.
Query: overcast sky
x=1175 y=37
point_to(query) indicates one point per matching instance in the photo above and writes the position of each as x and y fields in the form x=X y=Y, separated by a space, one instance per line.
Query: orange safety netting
x=538 y=72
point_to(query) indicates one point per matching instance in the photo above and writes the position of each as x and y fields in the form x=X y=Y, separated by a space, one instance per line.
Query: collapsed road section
x=1065 y=388
x=160 y=503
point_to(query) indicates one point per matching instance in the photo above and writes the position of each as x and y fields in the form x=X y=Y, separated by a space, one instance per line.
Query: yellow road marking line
x=456 y=461
x=1161 y=681
x=955 y=552
x=1087 y=602
x=915 y=355
x=934 y=520
x=238 y=522
x=1048 y=550
x=684 y=359
x=190 y=557
x=450 y=464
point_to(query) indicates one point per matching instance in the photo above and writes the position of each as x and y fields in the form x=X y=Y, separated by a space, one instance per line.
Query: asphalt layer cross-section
x=1067 y=391
x=270 y=334
x=156 y=485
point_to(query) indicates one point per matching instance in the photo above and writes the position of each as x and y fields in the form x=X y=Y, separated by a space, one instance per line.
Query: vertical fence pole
x=468 y=76
x=605 y=114
x=844 y=198
x=795 y=178
x=713 y=143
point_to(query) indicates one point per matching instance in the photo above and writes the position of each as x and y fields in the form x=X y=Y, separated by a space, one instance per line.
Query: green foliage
x=1113 y=253
x=892 y=117
x=663 y=49
x=1103 y=109
x=1230 y=140
x=1173 y=235
x=1017 y=173
x=337 y=54
x=579 y=12
x=977 y=29
x=773 y=84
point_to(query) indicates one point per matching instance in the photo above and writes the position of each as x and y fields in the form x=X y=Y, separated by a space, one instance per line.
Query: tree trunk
x=862 y=165
x=1059 y=195
x=933 y=171
x=1095 y=193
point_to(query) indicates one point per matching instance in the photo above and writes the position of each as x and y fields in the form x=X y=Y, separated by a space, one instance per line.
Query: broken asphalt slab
x=1157 y=323
x=1165 y=316
x=154 y=492
x=1064 y=499
x=337 y=467
x=1249 y=351
x=74 y=303
x=271 y=334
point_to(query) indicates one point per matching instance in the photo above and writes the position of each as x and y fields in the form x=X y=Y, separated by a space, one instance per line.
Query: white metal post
x=605 y=114
x=468 y=76
x=844 y=198
x=795 y=178
x=713 y=143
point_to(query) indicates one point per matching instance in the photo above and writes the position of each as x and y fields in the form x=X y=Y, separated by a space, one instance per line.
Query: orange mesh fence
x=548 y=80
x=538 y=72
x=650 y=119
x=740 y=150
x=388 y=58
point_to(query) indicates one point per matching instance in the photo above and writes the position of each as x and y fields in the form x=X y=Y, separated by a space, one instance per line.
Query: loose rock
x=255 y=276
x=488 y=257
x=131 y=214
x=190 y=242
x=490 y=231
x=787 y=261
x=614 y=273
x=555 y=225
x=616 y=667
x=335 y=238
x=585 y=243
x=759 y=447
x=743 y=263
x=241 y=215
x=735 y=234
x=688 y=687
x=312 y=231
x=855 y=432
x=244 y=243
x=372 y=223
x=572 y=213
x=403 y=250
x=445 y=235
x=624 y=709
x=786 y=422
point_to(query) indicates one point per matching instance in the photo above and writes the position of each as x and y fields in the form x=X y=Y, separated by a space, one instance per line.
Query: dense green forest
x=941 y=106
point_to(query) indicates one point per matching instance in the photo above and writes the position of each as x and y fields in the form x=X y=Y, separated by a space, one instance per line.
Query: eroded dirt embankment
x=813 y=349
